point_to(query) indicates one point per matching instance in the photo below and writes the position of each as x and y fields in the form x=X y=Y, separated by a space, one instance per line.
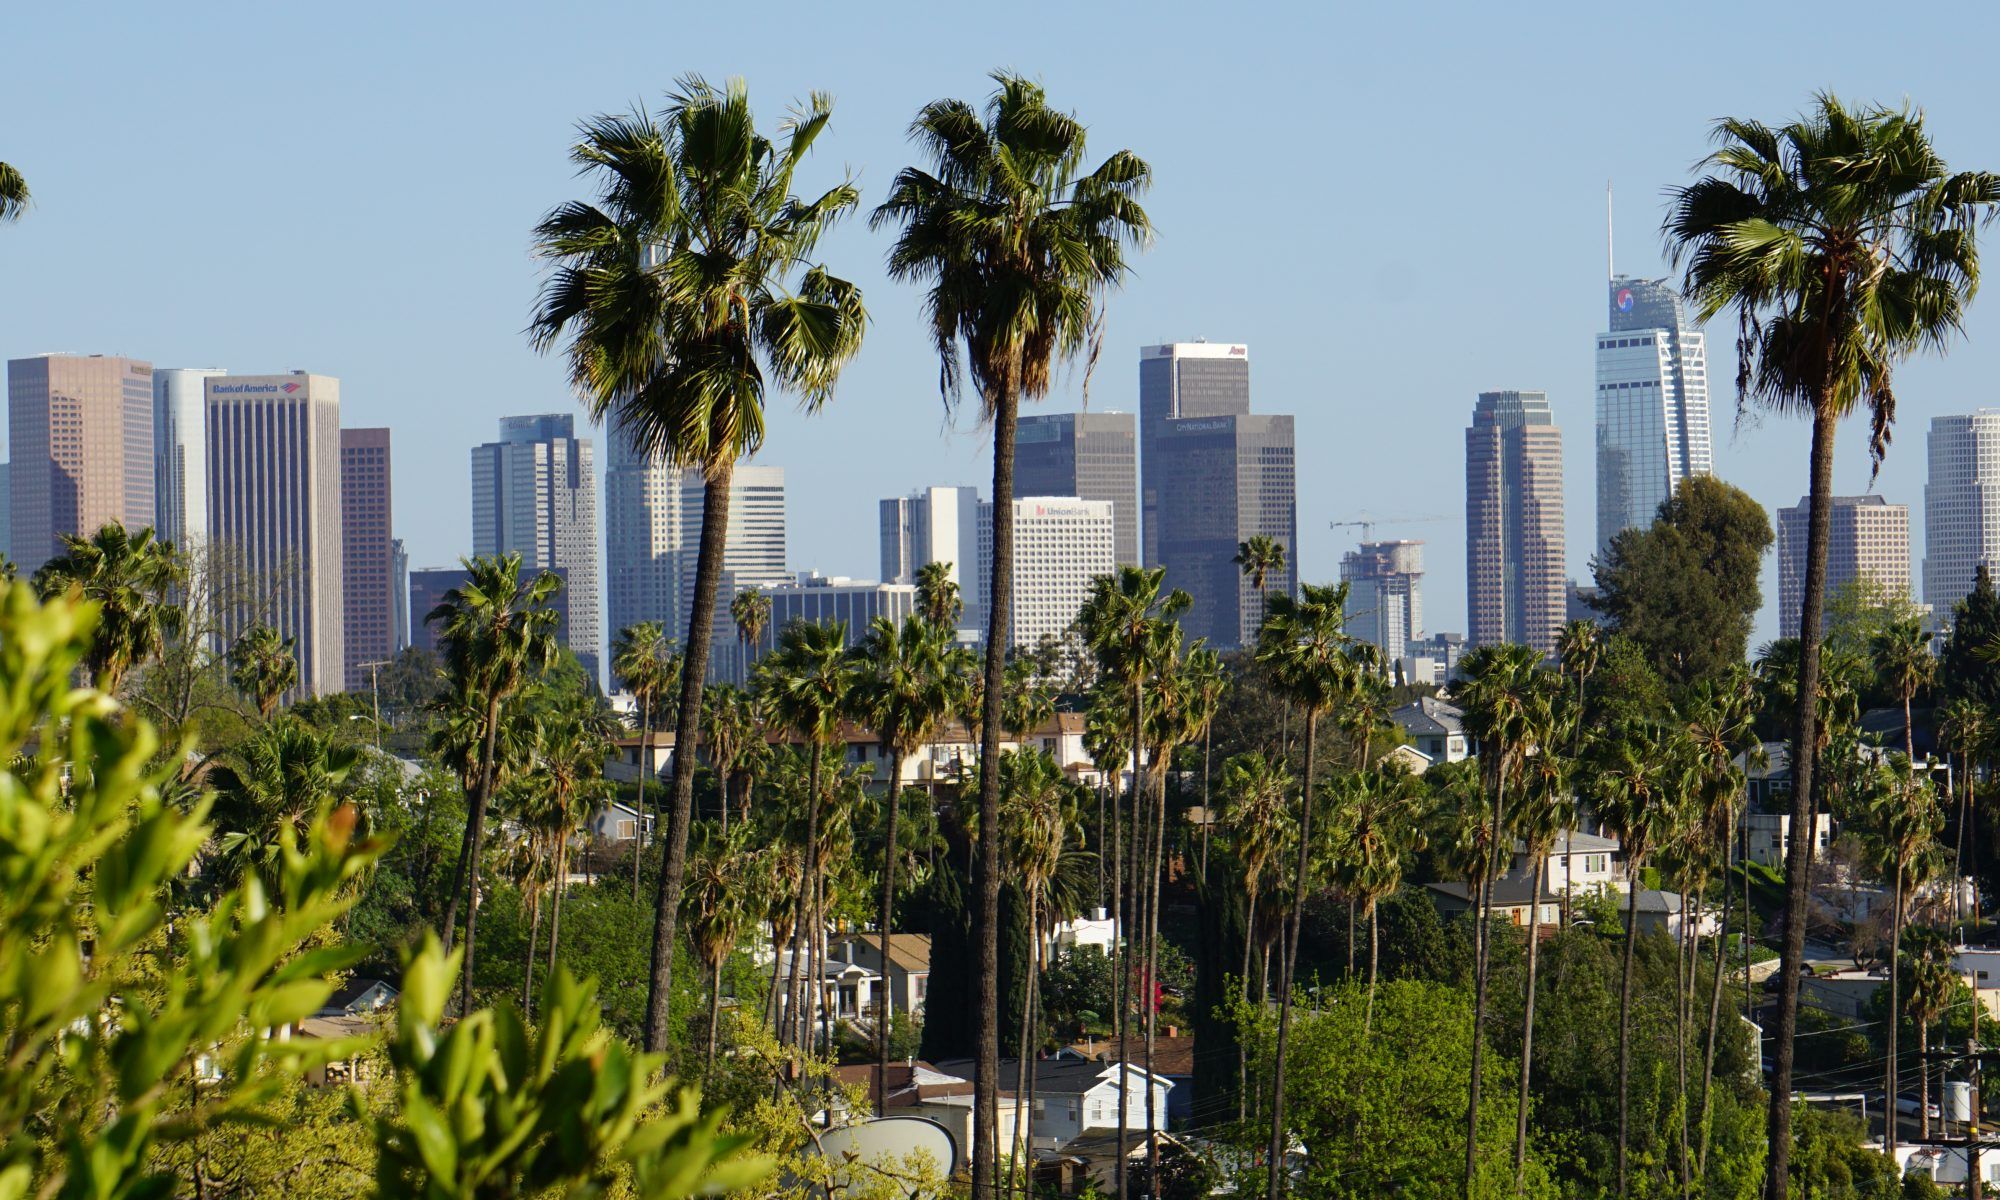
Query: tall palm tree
x=13 y=193
x=1018 y=241
x=1929 y=966
x=498 y=631
x=1900 y=652
x=1469 y=844
x=718 y=898
x=687 y=289
x=264 y=666
x=1904 y=810
x=1497 y=691
x=1256 y=789
x=904 y=691
x=645 y=660
x=808 y=680
x=1210 y=682
x=1844 y=244
x=1579 y=649
x=1303 y=643
x=571 y=749
x=1966 y=727
x=750 y=612
x=1641 y=783
x=938 y=596
x=132 y=577
x=1546 y=811
x=1040 y=816
x=1375 y=822
x=1260 y=558
x=732 y=735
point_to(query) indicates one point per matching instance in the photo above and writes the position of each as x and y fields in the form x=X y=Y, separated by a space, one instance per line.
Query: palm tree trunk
x=1528 y=1021
x=1924 y=1079
x=1162 y=758
x=645 y=769
x=1895 y=1007
x=1374 y=944
x=1482 y=936
x=1037 y=954
x=986 y=1069
x=1131 y=924
x=687 y=734
x=1684 y=964
x=1024 y=1112
x=528 y=959
x=1625 y=1027
x=885 y=1012
x=1242 y=1042
x=1715 y=1020
x=714 y=1017
x=1100 y=843
x=1207 y=813
x=1805 y=738
x=798 y=1014
x=467 y=875
x=1273 y=1184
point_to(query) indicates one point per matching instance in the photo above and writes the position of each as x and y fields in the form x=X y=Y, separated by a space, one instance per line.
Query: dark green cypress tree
x=948 y=1004
x=1966 y=673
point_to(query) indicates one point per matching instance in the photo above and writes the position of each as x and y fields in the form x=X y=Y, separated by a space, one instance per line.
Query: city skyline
x=1363 y=366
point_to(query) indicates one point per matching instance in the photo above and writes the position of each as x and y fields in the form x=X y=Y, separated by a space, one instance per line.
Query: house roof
x=347 y=994
x=909 y=951
x=906 y=1084
x=1171 y=1055
x=954 y=733
x=1575 y=841
x=1654 y=900
x=1509 y=891
x=1428 y=715
x=1055 y=1076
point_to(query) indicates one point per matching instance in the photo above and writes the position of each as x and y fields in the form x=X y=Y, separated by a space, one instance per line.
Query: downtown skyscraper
x=1514 y=522
x=534 y=493
x=1868 y=541
x=1385 y=602
x=937 y=525
x=1652 y=405
x=1182 y=379
x=1089 y=455
x=180 y=453
x=1061 y=543
x=1961 y=508
x=368 y=553
x=274 y=506
x=80 y=432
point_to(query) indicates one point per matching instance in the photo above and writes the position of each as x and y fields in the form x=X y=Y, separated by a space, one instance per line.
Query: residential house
x=1842 y=993
x=1511 y=900
x=358 y=997
x=1576 y=863
x=1073 y=1097
x=1435 y=727
x=1096 y=930
x=909 y=971
x=1764 y=830
x=1173 y=1060
x=1979 y=966
x=1663 y=912
x=919 y=1089
x=616 y=821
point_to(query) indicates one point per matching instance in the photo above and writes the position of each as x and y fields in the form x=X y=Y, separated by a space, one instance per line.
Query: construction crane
x=1367 y=521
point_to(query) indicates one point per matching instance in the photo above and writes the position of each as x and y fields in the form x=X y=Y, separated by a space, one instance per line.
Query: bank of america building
x=1652 y=405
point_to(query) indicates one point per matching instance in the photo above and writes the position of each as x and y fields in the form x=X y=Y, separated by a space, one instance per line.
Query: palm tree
x=1260 y=558
x=1497 y=692
x=644 y=659
x=937 y=595
x=497 y=632
x=1374 y=820
x=1546 y=811
x=1210 y=682
x=1906 y=817
x=1579 y=649
x=717 y=899
x=1304 y=646
x=1469 y=845
x=808 y=680
x=131 y=577
x=732 y=733
x=1018 y=241
x=1640 y=783
x=1932 y=981
x=1965 y=726
x=268 y=791
x=1255 y=788
x=1040 y=816
x=13 y=193
x=572 y=746
x=263 y=666
x=750 y=611
x=905 y=691
x=687 y=289
x=1900 y=652
x=1844 y=244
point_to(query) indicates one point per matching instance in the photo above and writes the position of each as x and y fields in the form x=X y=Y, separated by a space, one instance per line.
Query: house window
x=1040 y=1105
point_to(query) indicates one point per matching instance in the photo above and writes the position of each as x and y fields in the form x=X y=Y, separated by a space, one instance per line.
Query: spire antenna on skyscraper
x=1609 y=272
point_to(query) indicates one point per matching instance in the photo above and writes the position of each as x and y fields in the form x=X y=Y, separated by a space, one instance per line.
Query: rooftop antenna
x=1609 y=274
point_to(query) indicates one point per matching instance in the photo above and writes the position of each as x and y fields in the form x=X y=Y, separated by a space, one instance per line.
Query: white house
x=1095 y=930
x=1435 y=727
x=358 y=997
x=1979 y=966
x=908 y=976
x=1764 y=831
x=616 y=821
x=1575 y=862
x=1073 y=1097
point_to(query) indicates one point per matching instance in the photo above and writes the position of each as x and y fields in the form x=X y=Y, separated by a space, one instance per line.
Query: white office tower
x=937 y=524
x=1961 y=508
x=826 y=599
x=642 y=537
x=1385 y=600
x=180 y=453
x=274 y=508
x=1652 y=406
x=1061 y=543
x=534 y=493
x=753 y=556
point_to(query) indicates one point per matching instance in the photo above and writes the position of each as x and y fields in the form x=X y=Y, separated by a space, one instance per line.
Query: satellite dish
x=879 y=1149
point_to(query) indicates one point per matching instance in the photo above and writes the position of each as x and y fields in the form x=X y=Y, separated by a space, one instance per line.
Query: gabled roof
x=909 y=951
x=1057 y=1076
x=1430 y=716
x=1171 y=1055
x=1509 y=891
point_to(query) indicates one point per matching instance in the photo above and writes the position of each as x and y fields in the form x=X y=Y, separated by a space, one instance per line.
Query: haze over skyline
x=1394 y=211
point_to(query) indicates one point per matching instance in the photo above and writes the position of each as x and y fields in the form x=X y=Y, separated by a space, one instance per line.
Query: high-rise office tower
x=1868 y=539
x=1385 y=601
x=1652 y=405
x=428 y=588
x=753 y=556
x=1232 y=478
x=1514 y=585
x=642 y=536
x=80 y=432
x=1061 y=543
x=274 y=483
x=822 y=600
x=180 y=453
x=534 y=493
x=1961 y=508
x=1089 y=455
x=1182 y=379
x=368 y=553
x=936 y=524
x=399 y=589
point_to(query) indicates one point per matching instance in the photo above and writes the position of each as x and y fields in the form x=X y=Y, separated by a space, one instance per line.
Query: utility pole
x=1973 y=1183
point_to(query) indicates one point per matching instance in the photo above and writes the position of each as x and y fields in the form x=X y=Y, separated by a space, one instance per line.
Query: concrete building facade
x=753 y=556
x=180 y=453
x=1089 y=455
x=936 y=524
x=274 y=501
x=822 y=600
x=1233 y=478
x=1868 y=540
x=534 y=493
x=1385 y=600
x=80 y=436
x=1061 y=543
x=1652 y=405
x=368 y=553
x=1179 y=380
x=1961 y=507
x=1514 y=545
x=399 y=590
x=642 y=532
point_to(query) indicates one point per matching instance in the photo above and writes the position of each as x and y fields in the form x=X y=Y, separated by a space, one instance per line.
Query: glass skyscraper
x=1652 y=405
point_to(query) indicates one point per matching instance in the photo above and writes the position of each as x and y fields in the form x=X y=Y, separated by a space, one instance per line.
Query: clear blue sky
x=1396 y=206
